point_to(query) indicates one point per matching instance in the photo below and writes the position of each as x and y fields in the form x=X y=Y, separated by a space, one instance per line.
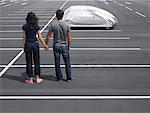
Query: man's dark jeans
x=58 y=50
x=32 y=49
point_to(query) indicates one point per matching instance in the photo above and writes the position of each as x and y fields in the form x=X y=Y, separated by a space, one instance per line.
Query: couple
x=62 y=39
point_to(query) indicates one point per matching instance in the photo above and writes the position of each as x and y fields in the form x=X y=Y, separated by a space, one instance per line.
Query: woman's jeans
x=32 y=50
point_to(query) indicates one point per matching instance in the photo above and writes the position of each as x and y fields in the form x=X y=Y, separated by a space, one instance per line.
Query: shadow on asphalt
x=49 y=77
x=24 y=76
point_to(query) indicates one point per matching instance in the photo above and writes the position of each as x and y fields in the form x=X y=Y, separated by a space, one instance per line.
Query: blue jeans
x=32 y=50
x=62 y=49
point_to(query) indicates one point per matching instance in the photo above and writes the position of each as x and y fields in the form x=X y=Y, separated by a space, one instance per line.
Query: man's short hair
x=59 y=14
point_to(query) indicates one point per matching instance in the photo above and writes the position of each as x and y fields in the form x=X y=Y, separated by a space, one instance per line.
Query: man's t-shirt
x=30 y=32
x=60 y=30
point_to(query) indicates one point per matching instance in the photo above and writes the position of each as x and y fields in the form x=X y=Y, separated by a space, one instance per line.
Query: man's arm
x=49 y=34
x=69 y=39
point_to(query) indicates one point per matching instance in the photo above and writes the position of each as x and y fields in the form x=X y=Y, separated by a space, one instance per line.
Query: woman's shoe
x=29 y=81
x=39 y=80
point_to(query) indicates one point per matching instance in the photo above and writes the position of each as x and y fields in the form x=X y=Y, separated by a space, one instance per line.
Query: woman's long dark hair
x=32 y=20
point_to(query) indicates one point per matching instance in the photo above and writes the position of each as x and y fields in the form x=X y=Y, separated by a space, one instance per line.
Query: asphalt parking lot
x=104 y=62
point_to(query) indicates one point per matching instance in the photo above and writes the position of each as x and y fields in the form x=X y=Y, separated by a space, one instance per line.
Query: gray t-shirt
x=60 y=30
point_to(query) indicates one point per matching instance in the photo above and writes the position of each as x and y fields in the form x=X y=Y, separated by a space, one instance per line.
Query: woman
x=31 y=47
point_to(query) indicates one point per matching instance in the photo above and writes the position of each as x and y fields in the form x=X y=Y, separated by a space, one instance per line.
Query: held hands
x=46 y=48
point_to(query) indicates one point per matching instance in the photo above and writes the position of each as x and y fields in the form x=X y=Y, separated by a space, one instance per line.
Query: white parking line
x=7 y=5
x=12 y=31
x=11 y=26
x=82 y=38
x=106 y=3
x=19 y=31
x=15 y=25
x=2 y=3
x=140 y=14
x=88 y=66
x=129 y=8
x=120 y=4
x=48 y=11
x=128 y=3
x=17 y=2
x=41 y=9
x=23 y=17
x=115 y=1
x=85 y=49
x=24 y=3
x=10 y=39
x=20 y=14
x=14 y=60
x=72 y=97
x=17 y=21
x=96 y=30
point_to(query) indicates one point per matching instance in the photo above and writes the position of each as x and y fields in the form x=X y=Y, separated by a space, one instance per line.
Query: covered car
x=89 y=16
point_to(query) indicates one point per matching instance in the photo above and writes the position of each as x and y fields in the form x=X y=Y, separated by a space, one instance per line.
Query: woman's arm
x=24 y=39
x=41 y=39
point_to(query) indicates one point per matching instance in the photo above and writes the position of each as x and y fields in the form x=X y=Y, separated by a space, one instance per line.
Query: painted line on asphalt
x=41 y=9
x=73 y=97
x=24 y=3
x=10 y=39
x=22 y=51
x=22 y=17
x=115 y=1
x=128 y=3
x=18 y=21
x=11 y=26
x=83 y=49
x=97 y=30
x=129 y=8
x=20 y=14
x=19 y=31
x=2 y=3
x=86 y=66
x=106 y=3
x=81 y=38
x=140 y=14
x=35 y=11
x=120 y=4
x=18 y=2
x=7 y=5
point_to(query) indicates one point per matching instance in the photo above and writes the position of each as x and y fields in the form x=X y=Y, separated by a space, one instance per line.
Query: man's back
x=60 y=30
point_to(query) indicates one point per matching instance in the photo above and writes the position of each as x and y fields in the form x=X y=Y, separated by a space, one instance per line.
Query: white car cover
x=89 y=16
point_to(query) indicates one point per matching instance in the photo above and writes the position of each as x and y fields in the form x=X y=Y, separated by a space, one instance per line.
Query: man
x=61 y=44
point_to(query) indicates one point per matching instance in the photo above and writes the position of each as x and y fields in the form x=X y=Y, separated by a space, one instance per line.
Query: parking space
x=7 y=56
x=93 y=81
x=82 y=57
x=1 y=69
